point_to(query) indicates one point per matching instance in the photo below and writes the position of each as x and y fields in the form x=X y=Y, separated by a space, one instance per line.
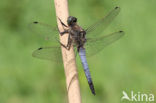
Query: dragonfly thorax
x=78 y=37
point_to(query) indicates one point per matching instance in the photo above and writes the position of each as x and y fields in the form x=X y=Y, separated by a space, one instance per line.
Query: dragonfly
x=87 y=42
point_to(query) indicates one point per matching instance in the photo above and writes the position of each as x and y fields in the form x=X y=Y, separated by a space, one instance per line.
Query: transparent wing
x=49 y=53
x=95 y=45
x=100 y=26
x=48 y=32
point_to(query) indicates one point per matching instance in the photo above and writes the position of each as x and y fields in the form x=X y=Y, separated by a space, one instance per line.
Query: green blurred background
x=128 y=64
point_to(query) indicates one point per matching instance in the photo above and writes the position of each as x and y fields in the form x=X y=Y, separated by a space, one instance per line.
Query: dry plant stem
x=73 y=88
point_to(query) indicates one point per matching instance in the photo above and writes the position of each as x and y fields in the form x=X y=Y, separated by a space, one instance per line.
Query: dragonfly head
x=71 y=20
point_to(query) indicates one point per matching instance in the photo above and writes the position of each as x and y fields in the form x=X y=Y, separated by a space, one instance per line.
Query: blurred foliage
x=129 y=64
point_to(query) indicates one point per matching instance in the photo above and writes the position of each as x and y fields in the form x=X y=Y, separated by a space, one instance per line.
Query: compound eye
x=74 y=20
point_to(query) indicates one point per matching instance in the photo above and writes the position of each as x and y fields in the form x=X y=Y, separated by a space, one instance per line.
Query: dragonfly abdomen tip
x=92 y=87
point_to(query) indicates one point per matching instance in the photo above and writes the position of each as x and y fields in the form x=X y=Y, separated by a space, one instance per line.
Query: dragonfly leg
x=68 y=44
x=64 y=25
x=62 y=22
x=64 y=32
x=63 y=45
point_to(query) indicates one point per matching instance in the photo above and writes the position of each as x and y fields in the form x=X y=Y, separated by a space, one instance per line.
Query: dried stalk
x=72 y=82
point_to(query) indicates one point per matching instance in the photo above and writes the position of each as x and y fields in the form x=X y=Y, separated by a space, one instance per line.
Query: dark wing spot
x=35 y=22
x=116 y=7
x=40 y=48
